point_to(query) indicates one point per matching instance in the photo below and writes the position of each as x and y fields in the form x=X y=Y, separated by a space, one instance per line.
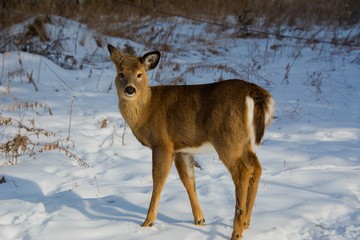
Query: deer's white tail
x=260 y=111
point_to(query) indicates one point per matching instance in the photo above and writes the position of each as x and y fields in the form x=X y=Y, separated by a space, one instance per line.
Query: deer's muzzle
x=129 y=91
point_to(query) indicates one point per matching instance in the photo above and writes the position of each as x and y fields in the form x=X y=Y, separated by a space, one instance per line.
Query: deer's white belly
x=205 y=148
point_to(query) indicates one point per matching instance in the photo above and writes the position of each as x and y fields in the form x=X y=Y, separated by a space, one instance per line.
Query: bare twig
x=97 y=186
x=2 y=69
x=123 y=134
x=31 y=80
x=289 y=65
x=70 y=119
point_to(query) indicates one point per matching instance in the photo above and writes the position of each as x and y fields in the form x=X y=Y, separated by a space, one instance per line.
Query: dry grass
x=144 y=22
x=21 y=137
x=300 y=14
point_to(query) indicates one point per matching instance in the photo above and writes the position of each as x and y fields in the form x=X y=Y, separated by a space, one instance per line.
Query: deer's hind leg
x=241 y=175
x=253 y=185
x=236 y=161
x=185 y=166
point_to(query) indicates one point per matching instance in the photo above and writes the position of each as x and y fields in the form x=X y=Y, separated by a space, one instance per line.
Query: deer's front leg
x=161 y=160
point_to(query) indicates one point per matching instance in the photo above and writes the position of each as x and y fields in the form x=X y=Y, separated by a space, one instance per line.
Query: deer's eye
x=121 y=75
x=139 y=75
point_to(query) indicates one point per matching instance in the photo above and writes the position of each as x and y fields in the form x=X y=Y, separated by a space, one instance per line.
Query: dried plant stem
x=123 y=134
x=28 y=105
x=79 y=161
x=101 y=72
x=2 y=69
x=289 y=65
x=38 y=75
x=70 y=119
x=31 y=80
x=97 y=186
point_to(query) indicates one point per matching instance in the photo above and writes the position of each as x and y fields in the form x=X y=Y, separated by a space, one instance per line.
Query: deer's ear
x=115 y=54
x=150 y=60
x=111 y=48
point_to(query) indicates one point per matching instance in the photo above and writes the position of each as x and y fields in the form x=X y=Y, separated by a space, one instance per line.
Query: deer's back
x=186 y=115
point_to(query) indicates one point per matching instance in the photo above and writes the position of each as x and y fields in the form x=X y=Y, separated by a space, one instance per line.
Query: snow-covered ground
x=310 y=154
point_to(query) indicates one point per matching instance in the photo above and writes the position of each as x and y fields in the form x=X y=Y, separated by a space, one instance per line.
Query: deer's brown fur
x=230 y=115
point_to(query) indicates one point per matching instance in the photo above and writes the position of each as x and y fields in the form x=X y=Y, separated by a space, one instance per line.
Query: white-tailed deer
x=173 y=120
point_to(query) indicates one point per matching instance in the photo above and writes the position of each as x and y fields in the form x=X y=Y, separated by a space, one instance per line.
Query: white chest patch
x=205 y=148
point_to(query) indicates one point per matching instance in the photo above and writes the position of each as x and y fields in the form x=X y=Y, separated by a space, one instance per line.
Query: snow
x=309 y=188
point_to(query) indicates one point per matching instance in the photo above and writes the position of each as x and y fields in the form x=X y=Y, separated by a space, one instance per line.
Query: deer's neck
x=135 y=111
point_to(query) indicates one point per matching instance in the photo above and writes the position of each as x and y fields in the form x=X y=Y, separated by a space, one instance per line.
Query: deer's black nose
x=130 y=91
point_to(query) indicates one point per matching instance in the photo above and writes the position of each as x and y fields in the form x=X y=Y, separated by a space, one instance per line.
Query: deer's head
x=131 y=80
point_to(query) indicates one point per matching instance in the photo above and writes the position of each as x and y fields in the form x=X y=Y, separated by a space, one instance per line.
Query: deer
x=176 y=121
